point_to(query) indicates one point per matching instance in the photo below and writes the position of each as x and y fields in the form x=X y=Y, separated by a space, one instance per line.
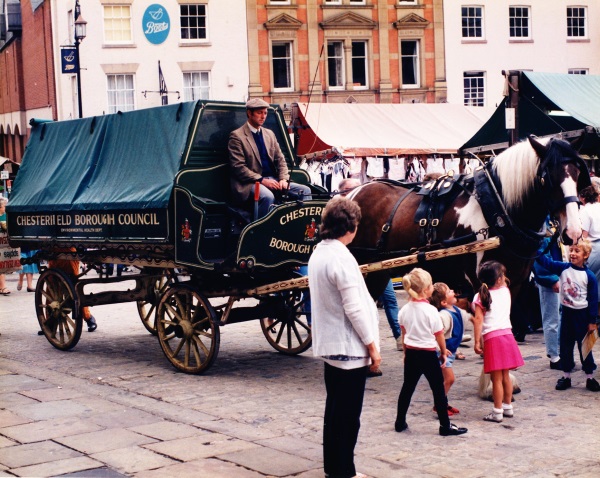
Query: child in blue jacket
x=579 y=300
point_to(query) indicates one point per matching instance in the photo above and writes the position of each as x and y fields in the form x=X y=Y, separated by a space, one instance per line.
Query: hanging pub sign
x=156 y=24
x=68 y=59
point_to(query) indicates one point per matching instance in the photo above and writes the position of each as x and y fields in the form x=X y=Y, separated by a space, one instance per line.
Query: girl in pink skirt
x=494 y=338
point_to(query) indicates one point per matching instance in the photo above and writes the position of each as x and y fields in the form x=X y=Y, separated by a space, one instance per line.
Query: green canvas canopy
x=124 y=161
x=548 y=103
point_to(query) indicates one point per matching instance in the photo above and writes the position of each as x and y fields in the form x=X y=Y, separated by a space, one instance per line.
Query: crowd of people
x=431 y=326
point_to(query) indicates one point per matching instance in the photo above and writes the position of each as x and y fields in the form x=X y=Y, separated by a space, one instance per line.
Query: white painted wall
x=549 y=51
x=226 y=52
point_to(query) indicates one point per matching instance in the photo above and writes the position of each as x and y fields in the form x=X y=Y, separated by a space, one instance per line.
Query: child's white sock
x=507 y=410
x=497 y=411
x=567 y=374
x=589 y=375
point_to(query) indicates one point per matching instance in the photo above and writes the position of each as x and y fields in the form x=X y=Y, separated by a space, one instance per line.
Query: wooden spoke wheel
x=57 y=309
x=187 y=329
x=147 y=308
x=289 y=332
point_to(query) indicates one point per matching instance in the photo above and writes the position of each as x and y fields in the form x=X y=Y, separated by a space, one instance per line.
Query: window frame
x=342 y=66
x=479 y=96
x=584 y=20
x=289 y=62
x=113 y=108
x=104 y=26
x=408 y=2
x=365 y=61
x=416 y=64
x=187 y=89
x=521 y=27
x=481 y=26
x=189 y=28
x=280 y=2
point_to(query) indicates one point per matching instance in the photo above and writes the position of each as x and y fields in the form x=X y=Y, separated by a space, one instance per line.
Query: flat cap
x=255 y=103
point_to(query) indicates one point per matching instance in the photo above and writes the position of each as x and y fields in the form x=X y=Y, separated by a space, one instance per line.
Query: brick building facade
x=27 y=88
x=375 y=51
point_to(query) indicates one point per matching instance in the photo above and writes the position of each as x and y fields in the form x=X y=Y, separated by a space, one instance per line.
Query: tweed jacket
x=245 y=164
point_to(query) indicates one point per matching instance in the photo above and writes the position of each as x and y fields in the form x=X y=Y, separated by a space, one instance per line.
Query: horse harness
x=437 y=196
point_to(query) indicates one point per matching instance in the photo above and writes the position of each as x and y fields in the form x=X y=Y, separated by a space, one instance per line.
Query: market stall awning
x=359 y=129
x=549 y=103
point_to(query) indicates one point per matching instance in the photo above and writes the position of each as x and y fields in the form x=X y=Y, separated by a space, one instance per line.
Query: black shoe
x=592 y=385
x=563 y=383
x=376 y=373
x=452 y=430
x=91 y=324
x=400 y=427
x=556 y=365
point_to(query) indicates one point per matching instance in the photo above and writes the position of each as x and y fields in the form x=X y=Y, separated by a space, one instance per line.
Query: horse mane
x=516 y=169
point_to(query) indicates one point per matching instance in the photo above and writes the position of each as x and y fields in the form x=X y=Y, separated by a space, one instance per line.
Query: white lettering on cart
x=289 y=246
x=138 y=219
x=94 y=219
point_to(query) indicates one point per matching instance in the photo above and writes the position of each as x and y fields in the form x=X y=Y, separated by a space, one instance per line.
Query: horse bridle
x=545 y=182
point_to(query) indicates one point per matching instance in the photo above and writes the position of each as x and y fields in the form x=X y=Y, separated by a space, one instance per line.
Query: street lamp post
x=80 y=31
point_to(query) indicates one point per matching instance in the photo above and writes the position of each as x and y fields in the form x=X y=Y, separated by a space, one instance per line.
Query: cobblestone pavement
x=114 y=406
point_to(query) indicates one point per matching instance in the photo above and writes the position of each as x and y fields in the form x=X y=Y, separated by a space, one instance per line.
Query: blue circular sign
x=156 y=24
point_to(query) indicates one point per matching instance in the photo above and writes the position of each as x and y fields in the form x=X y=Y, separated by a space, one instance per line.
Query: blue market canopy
x=549 y=103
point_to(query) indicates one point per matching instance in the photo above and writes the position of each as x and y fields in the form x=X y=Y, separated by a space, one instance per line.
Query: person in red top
x=422 y=333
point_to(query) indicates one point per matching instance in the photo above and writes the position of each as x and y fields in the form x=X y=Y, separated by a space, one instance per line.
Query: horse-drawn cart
x=150 y=189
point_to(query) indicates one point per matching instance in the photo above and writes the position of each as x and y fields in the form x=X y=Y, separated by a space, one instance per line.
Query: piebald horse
x=511 y=197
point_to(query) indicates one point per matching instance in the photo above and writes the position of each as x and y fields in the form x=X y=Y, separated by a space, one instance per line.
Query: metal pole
x=78 y=79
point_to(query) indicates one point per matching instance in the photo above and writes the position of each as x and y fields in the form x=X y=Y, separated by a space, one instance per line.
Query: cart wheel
x=147 y=308
x=290 y=332
x=187 y=330
x=57 y=311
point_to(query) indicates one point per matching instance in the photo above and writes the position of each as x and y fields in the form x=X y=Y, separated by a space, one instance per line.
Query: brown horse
x=509 y=197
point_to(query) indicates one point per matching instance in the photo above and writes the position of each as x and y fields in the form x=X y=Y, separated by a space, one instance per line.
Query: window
x=120 y=93
x=193 y=22
x=117 y=24
x=576 y=22
x=472 y=22
x=359 y=64
x=578 y=71
x=279 y=2
x=333 y=2
x=196 y=86
x=407 y=2
x=409 y=50
x=350 y=2
x=474 y=88
x=282 y=66
x=519 y=22
x=335 y=64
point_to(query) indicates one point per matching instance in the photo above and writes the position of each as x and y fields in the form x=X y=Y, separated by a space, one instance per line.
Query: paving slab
x=59 y=467
x=9 y=418
x=104 y=440
x=49 y=429
x=14 y=400
x=17 y=383
x=241 y=430
x=209 y=467
x=133 y=459
x=205 y=446
x=6 y=442
x=52 y=394
x=54 y=409
x=271 y=462
x=295 y=446
x=167 y=430
x=34 y=453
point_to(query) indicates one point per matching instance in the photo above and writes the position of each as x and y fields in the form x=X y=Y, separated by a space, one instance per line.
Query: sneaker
x=452 y=430
x=400 y=427
x=556 y=365
x=563 y=383
x=592 y=385
x=399 y=344
x=493 y=417
x=91 y=324
x=466 y=338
